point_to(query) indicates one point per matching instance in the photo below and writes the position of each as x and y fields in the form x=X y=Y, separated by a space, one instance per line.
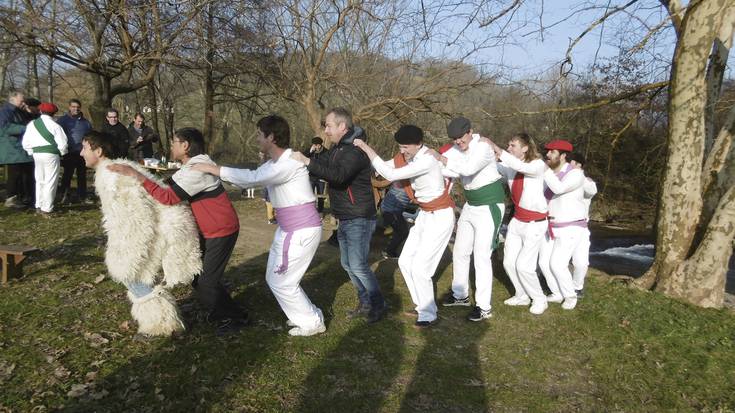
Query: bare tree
x=119 y=43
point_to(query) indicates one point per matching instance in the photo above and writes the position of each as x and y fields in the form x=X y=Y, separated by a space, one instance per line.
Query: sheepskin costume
x=143 y=237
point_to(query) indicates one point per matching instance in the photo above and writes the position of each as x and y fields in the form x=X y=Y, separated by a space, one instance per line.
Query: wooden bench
x=12 y=257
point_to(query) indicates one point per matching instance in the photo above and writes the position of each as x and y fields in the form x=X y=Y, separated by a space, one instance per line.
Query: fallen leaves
x=95 y=340
x=6 y=370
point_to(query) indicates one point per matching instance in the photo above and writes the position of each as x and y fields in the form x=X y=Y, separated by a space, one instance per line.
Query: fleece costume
x=46 y=141
x=297 y=236
x=144 y=237
x=218 y=226
x=479 y=223
x=429 y=236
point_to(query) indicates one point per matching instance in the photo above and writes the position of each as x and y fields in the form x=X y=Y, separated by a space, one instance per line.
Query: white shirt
x=194 y=182
x=532 y=197
x=286 y=180
x=567 y=204
x=590 y=190
x=424 y=172
x=475 y=167
x=32 y=138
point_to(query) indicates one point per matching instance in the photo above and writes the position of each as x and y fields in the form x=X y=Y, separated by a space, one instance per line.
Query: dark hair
x=113 y=110
x=526 y=140
x=101 y=140
x=317 y=140
x=566 y=153
x=138 y=114
x=342 y=115
x=576 y=157
x=75 y=100
x=278 y=127
x=195 y=139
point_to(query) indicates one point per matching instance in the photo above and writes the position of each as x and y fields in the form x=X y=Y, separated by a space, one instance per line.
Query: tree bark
x=684 y=268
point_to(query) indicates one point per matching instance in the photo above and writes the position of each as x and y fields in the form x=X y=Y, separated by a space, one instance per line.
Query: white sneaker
x=554 y=298
x=569 y=303
x=518 y=300
x=304 y=332
x=538 y=307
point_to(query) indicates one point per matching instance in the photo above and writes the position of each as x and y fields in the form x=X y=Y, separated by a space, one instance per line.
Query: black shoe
x=426 y=324
x=388 y=254
x=450 y=301
x=580 y=293
x=376 y=314
x=478 y=314
x=361 y=310
x=231 y=326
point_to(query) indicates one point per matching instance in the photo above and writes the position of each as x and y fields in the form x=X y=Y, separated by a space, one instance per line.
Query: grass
x=66 y=343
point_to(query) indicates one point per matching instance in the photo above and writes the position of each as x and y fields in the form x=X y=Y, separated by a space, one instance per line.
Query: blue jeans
x=354 y=245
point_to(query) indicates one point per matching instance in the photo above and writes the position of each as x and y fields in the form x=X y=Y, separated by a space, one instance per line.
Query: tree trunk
x=694 y=273
x=33 y=86
x=102 y=100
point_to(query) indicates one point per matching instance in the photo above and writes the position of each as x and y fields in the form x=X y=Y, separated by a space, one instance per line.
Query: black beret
x=409 y=135
x=458 y=127
x=32 y=102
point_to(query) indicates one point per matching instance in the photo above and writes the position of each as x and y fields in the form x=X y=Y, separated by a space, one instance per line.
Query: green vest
x=490 y=195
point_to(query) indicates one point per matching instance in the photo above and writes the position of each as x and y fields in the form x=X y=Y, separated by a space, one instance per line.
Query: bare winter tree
x=119 y=43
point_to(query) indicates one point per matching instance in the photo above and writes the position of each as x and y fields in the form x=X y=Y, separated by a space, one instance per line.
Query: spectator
x=113 y=127
x=75 y=126
x=317 y=185
x=19 y=190
x=142 y=138
x=46 y=141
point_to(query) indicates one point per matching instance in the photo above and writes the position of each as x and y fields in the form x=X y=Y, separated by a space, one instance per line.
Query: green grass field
x=66 y=343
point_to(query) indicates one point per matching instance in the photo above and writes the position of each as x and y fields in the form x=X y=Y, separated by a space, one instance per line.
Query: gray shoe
x=14 y=202
x=361 y=310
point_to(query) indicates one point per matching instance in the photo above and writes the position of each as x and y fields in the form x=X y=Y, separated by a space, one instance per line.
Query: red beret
x=47 y=107
x=559 y=145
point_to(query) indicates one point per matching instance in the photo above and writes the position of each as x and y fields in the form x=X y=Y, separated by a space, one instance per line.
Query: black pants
x=400 y=230
x=208 y=286
x=318 y=187
x=21 y=182
x=73 y=162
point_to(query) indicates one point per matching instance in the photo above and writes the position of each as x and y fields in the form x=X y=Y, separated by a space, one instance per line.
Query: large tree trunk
x=684 y=267
x=102 y=100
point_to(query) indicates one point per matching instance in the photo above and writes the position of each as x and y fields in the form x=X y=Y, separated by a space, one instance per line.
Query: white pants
x=47 y=167
x=421 y=255
x=475 y=230
x=554 y=259
x=521 y=251
x=581 y=260
x=285 y=287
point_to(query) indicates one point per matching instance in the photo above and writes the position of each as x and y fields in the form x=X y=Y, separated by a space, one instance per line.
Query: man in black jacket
x=347 y=170
x=113 y=126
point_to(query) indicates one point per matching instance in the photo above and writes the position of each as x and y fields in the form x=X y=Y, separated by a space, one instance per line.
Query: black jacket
x=121 y=138
x=143 y=149
x=347 y=170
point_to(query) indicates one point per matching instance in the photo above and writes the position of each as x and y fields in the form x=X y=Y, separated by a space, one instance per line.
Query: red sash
x=522 y=214
x=443 y=201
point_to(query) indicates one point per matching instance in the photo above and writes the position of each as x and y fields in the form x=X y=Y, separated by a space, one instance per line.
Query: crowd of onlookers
x=35 y=146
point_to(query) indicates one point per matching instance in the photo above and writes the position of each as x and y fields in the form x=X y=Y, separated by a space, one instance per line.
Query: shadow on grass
x=200 y=371
x=359 y=373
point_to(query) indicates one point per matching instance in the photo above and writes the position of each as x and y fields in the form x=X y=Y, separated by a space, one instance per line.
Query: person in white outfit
x=428 y=238
x=46 y=141
x=568 y=223
x=299 y=225
x=581 y=255
x=522 y=166
x=473 y=162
